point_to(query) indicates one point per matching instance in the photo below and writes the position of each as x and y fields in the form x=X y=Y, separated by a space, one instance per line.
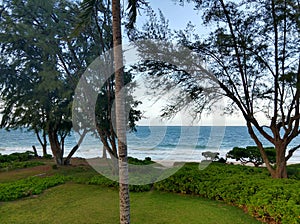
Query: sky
x=177 y=15
x=178 y=18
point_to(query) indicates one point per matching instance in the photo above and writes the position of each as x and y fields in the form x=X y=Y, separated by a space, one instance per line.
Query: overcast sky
x=178 y=18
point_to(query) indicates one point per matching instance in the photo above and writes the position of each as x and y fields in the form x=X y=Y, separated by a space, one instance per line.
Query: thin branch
x=243 y=76
x=291 y=152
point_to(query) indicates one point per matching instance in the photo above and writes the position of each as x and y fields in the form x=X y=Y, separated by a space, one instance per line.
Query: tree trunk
x=120 y=115
x=44 y=150
x=55 y=147
x=67 y=161
x=44 y=145
x=104 y=154
x=75 y=148
x=261 y=149
x=35 y=151
x=43 y=141
x=281 y=171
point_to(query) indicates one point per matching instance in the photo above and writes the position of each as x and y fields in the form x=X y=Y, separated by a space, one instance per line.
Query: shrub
x=136 y=161
x=48 y=156
x=24 y=156
x=19 y=165
x=103 y=181
x=294 y=171
x=251 y=154
x=243 y=186
x=211 y=155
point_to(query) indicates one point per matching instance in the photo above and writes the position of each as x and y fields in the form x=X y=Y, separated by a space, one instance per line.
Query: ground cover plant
x=28 y=186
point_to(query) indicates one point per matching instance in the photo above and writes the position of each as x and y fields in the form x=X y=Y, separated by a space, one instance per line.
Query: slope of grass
x=75 y=203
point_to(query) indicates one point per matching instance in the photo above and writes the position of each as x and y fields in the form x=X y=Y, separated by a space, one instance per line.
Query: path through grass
x=74 y=203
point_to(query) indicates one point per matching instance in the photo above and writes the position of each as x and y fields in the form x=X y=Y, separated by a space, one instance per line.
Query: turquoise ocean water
x=175 y=143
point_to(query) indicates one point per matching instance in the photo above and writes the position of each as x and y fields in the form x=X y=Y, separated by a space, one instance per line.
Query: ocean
x=171 y=143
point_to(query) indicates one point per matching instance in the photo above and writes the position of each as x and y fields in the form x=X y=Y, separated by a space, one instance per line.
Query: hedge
x=246 y=187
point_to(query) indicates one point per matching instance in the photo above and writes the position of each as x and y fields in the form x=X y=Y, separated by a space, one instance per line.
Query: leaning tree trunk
x=120 y=115
x=67 y=160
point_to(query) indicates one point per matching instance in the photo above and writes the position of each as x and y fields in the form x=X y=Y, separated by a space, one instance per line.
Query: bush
x=279 y=200
x=48 y=156
x=103 y=181
x=294 y=171
x=136 y=161
x=17 y=157
x=242 y=186
x=211 y=155
x=251 y=154
x=19 y=165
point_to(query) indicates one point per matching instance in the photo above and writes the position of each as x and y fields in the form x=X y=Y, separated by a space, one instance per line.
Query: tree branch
x=291 y=152
x=240 y=66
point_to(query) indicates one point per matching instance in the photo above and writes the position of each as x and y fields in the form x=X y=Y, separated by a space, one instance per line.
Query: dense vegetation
x=249 y=188
x=17 y=161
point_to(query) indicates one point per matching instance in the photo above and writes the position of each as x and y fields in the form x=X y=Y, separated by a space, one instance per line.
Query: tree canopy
x=250 y=57
x=41 y=63
x=251 y=154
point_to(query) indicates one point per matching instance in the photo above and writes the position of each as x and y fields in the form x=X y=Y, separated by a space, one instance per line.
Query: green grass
x=76 y=203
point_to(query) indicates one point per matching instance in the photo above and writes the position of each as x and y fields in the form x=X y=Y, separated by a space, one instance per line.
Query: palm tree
x=88 y=7
x=120 y=114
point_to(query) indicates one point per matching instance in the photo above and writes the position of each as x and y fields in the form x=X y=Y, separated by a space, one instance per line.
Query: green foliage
x=135 y=161
x=137 y=174
x=29 y=186
x=14 y=157
x=19 y=165
x=38 y=72
x=103 y=181
x=210 y=155
x=279 y=200
x=239 y=185
x=48 y=156
x=294 y=171
x=18 y=161
x=251 y=154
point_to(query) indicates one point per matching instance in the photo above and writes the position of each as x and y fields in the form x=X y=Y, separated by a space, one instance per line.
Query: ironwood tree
x=41 y=64
x=251 y=58
x=38 y=69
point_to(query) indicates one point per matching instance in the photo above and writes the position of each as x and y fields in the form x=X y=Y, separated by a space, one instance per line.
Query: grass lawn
x=76 y=203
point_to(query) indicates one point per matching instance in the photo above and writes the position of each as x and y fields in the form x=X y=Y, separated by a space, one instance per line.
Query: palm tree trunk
x=120 y=115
